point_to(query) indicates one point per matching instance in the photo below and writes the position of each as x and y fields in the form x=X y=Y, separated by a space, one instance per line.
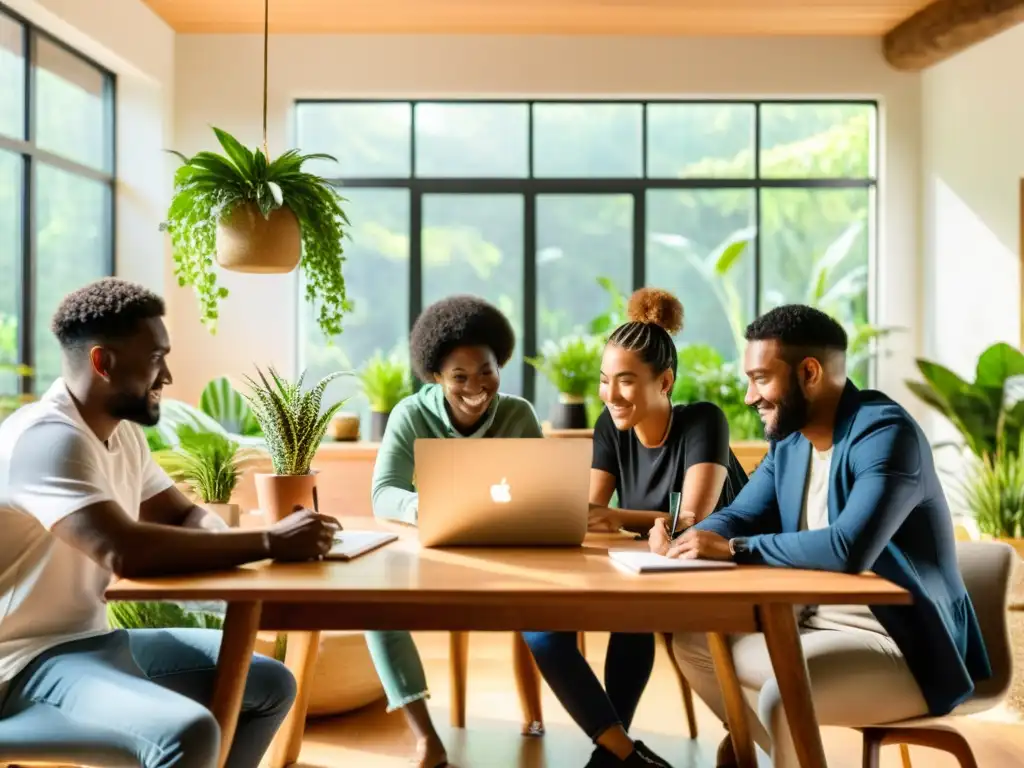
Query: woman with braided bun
x=645 y=449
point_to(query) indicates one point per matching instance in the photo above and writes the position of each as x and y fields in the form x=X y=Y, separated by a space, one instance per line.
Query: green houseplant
x=573 y=365
x=223 y=403
x=704 y=375
x=385 y=381
x=9 y=403
x=252 y=214
x=989 y=415
x=210 y=464
x=294 y=423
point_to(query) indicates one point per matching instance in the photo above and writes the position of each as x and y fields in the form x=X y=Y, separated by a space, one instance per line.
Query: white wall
x=218 y=82
x=973 y=139
x=138 y=47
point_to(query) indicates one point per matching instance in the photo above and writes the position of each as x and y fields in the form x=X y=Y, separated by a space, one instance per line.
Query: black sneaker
x=602 y=758
x=643 y=757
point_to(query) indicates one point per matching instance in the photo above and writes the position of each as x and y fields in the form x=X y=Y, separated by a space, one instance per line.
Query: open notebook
x=648 y=562
x=350 y=544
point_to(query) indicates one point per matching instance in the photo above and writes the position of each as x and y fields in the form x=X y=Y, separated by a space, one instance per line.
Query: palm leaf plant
x=209 y=463
x=222 y=402
x=220 y=198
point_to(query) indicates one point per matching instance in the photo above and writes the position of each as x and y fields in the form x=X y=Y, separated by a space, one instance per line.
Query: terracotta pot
x=1017 y=544
x=378 y=423
x=344 y=427
x=246 y=242
x=229 y=513
x=278 y=495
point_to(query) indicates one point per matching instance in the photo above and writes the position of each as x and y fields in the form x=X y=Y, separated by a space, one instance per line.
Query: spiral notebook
x=351 y=544
x=648 y=562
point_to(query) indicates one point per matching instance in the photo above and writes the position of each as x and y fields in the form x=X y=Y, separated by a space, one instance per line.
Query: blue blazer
x=888 y=515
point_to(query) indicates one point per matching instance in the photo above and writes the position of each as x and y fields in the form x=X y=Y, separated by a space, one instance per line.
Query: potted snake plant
x=294 y=423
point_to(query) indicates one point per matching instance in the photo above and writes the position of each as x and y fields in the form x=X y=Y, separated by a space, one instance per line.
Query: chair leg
x=581 y=643
x=684 y=686
x=528 y=686
x=458 y=659
x=943 y=739
x=872 y=748
x=905 y=756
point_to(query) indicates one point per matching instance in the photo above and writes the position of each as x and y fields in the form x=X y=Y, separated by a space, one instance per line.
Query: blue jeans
x=144 y=693
x=627 y=668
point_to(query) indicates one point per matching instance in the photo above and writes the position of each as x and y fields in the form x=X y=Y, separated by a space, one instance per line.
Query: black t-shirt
x=644 y=477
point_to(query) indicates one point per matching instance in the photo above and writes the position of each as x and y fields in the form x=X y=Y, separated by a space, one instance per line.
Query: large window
x=56 y=191
x=535 y=205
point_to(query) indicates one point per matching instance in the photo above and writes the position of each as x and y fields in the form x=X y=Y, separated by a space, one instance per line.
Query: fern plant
x=209 y=186
x=293 y=421
x=385 y=381
x=993 y=491
x=572 y=364
x=208 y=462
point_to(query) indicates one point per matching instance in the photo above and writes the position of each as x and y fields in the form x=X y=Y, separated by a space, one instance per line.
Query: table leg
x=241 y=623
x=736 y=709
x=783 y=639
x=527 y=685
x=458 y=650
x=300 y=657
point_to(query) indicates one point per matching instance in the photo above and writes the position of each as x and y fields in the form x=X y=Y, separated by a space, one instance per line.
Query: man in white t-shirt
x=81 y=500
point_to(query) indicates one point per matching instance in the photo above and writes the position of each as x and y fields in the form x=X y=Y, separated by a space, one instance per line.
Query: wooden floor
x=371 y=738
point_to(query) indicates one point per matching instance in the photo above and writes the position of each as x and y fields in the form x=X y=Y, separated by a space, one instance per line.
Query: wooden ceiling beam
x=945 y=28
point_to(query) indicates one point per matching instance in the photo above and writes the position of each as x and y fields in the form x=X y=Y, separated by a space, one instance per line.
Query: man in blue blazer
x=848 y=485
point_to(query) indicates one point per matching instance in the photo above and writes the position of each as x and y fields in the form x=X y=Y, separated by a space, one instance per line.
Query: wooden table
x=404 y=587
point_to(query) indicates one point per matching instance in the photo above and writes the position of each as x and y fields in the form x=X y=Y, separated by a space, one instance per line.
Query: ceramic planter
x=378 y=423
x=278 y=495
x=229 y=513
x=246 y=242
x=570 y=412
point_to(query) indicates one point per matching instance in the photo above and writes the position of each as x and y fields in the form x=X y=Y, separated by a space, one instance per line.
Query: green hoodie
x=423 y=414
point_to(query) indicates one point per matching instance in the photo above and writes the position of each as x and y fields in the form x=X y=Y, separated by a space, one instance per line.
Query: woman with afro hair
x=457 y=348
x=645 y=449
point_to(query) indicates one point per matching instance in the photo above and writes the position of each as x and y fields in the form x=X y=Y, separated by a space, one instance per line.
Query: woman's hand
x=603 y=520
x=658 y=538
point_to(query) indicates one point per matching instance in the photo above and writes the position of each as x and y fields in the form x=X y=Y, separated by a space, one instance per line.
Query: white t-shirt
x=814 y=516
x=51 y=465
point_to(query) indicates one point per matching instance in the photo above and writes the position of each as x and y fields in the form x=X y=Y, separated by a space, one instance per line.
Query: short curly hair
x=799 y=326
x=458 y=321
x=104 y=309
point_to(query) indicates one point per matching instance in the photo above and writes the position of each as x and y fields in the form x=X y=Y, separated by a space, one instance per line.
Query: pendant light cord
x=266 y=39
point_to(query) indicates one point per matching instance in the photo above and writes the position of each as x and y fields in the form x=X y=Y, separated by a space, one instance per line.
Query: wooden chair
x=987 y=568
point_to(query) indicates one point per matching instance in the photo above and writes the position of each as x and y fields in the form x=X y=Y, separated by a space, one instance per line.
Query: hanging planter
x=244 y=212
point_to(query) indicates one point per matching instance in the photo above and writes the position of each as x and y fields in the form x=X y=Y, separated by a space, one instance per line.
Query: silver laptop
x=502 y=491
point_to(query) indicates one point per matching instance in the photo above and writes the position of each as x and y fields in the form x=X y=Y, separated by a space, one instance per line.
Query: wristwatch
x=738 y=547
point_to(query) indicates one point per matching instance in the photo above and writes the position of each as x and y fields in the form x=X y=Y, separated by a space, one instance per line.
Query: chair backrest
x=987 y=569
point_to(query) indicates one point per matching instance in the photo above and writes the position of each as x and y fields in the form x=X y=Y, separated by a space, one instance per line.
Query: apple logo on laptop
x=501 y=493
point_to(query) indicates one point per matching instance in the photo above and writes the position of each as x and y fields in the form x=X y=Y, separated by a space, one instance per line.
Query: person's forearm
x=395 y=504
x=635 y=520
x=161 y=550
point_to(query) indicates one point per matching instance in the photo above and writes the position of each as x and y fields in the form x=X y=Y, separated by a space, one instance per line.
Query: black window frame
x=529 y=186
x=31 y=154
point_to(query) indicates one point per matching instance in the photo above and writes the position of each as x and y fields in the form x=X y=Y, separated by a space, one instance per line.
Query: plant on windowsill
x=210 y=465
x=573 y=365
x=293 y=423
x=9 y=403
x=993 y=490
x=385 y=381
x=251 y=214
x=705 y=375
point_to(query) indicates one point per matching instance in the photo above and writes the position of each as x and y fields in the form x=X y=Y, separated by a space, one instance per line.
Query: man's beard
x=791 y=413
x=134 y=408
